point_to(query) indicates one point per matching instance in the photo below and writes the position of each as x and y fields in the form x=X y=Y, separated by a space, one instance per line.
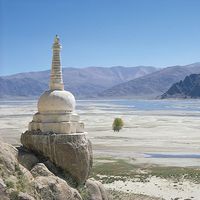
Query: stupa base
x=59 y=123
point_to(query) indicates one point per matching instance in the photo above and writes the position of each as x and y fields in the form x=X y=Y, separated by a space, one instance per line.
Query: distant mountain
x=188 y=88
x=82 y=82
x=151 y=85
x=20 y=87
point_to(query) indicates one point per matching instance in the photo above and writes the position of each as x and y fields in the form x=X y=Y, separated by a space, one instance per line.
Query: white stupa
x=56 y=107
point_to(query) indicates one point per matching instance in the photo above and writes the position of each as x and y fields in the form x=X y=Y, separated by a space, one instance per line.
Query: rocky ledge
x=27 y=176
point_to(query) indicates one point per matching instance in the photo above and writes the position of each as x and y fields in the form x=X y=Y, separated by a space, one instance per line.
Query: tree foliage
x=117 y=124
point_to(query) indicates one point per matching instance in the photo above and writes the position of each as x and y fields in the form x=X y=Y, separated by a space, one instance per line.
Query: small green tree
x=117 y=124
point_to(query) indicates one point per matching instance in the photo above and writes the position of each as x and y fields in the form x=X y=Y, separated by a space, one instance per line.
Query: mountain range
x=151 y=85
x=100 y=82
x=82 y=82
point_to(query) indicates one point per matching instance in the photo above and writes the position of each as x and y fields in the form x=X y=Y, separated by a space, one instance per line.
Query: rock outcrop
x=71 y=152
x=20 y=181
x=188 y=88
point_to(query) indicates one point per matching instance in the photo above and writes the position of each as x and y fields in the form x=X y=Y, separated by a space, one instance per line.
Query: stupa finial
x=56 y=39
x=56 y=81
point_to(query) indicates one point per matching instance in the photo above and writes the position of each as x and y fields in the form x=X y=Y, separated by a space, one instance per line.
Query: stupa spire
x=56 y=80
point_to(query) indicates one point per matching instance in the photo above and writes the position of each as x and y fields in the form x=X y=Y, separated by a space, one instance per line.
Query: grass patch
x=18 y=184
x=118 y=195
x=123 y=170
x=21 y=183
x=83 y=191
x=177 y=173
x=119 y=169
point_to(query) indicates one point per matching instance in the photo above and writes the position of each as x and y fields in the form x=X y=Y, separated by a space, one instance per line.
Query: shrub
x=9 y=184
x=117 y=124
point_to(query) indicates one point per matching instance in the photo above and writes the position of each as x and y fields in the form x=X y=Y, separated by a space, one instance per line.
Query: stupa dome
x=56 y=101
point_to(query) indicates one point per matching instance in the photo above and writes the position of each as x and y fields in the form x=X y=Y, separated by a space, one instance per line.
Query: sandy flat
x=162 y=131
x=158 y=187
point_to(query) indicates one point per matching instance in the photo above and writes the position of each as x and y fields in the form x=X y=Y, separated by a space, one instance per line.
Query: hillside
x=153 y=84
x=82 y=82
x=188 y=88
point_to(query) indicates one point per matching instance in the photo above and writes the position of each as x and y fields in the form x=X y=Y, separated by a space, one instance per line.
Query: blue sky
x=98 y=33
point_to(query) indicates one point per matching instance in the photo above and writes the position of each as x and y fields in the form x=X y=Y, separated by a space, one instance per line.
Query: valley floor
x=157 y=153
x=124 y=178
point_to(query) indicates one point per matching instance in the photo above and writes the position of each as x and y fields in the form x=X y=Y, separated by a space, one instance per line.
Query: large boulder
x=50 y=187
x=8 y=158
x=71 y=152
x=96 y=190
